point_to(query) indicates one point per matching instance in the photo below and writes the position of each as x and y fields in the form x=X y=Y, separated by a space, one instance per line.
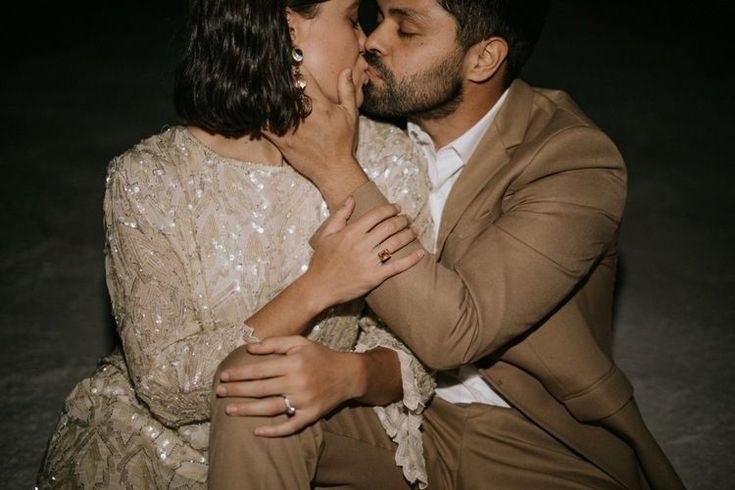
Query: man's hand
x=315 y=379
x=322 y=148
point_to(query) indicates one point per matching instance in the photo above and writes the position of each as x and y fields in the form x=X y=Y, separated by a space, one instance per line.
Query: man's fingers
x=369 y=220
x=252 y=389
x=313 y=89
x=346 y=92
x=289 y=426
x=267 y=368
x=276 y=345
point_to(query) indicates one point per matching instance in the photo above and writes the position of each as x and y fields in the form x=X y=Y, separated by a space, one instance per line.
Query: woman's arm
x=345 y=265
x=172 y=347
x=316 y=380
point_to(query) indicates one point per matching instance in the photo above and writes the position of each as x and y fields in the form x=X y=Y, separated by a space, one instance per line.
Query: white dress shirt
x=463 y=385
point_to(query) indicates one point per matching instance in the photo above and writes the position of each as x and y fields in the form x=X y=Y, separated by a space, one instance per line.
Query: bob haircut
x=235 y=76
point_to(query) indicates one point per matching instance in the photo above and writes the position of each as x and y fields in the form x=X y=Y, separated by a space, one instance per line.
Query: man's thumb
x=346 y=91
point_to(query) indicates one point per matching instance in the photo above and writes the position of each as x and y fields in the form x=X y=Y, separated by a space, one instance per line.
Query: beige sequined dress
x=196 y=243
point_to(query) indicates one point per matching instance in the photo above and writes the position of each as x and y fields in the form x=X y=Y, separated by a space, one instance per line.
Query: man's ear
x=485 y=59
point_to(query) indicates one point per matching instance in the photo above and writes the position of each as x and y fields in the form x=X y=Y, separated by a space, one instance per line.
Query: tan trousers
x=469 y=446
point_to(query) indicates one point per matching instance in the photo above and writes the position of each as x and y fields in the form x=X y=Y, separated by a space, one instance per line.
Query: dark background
x=80 y=83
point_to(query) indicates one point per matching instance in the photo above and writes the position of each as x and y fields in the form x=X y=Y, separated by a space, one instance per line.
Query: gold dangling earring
x=297 y=57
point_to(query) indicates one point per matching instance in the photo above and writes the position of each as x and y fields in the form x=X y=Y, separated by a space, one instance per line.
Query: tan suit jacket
x=522 y=282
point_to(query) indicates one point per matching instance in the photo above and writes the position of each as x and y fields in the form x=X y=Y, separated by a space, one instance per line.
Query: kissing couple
x=378 y=308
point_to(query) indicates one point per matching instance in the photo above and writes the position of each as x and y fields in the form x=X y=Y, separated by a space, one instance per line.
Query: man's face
x=415 y=62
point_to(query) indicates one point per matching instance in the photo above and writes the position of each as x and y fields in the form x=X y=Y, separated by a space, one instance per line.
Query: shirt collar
x=466 y=144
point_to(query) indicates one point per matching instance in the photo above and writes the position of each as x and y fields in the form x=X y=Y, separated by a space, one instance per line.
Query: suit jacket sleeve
x=559 y=217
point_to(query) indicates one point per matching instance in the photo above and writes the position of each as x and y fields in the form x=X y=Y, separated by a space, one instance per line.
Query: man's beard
x=431 y=94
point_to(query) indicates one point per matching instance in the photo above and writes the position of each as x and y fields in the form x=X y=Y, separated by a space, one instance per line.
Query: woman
x=206 y=223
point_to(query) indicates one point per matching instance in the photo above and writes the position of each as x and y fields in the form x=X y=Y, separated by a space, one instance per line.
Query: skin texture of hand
x=322 y=148
x=345 y=266
x=315 y=379
x=346 y=262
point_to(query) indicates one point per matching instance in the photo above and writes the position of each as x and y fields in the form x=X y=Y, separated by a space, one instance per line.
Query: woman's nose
x=361 y=38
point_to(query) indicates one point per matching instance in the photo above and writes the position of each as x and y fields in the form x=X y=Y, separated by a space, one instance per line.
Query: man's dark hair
x=235 y=75
x=519 y=22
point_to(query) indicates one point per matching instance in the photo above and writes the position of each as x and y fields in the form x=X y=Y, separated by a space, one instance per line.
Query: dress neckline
x=243 y=164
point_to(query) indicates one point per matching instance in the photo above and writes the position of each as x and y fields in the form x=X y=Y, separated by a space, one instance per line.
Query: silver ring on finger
x=290 y=409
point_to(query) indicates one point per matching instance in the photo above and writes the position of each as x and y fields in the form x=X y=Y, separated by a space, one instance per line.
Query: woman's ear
x=486 y=58
x=295 y=26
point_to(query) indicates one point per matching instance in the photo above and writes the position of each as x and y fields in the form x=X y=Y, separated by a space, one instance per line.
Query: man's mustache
x=376 y=63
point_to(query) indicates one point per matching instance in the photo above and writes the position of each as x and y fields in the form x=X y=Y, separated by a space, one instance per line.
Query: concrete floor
x=79 y=86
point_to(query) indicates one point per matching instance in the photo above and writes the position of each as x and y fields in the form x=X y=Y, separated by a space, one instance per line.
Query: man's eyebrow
x=408 y=13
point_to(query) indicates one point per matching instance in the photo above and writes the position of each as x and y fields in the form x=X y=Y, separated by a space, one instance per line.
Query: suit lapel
x=505 y=132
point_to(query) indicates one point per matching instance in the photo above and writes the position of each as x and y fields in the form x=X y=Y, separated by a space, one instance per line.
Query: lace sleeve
x=402 y=420
x=172 y=354
x=398 y=168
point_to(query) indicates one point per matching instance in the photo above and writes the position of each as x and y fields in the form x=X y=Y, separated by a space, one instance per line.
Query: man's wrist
x=376 y=378
x=341 y=180
x=357 y=364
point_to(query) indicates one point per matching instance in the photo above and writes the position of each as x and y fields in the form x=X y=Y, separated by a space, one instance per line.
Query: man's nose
x=375 y=42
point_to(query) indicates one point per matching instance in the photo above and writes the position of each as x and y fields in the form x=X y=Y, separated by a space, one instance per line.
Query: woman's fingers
x=396 y=266
x=397 y=241
x=386 y=229
x=369 y=220
x=338 y=220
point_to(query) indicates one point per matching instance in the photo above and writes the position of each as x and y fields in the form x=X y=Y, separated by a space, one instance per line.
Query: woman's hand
x=314 y=378
x=350 y=259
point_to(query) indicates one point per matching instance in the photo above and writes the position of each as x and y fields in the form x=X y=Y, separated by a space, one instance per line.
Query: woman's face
x=331 y=42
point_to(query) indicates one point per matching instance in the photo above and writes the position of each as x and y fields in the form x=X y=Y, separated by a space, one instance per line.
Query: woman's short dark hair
x=235 y=75
x=519 y=22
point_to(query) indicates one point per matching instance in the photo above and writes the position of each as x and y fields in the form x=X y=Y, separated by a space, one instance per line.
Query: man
x=514 y=307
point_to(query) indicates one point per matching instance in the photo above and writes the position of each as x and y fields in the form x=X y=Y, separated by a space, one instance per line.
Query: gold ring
x=384 y=255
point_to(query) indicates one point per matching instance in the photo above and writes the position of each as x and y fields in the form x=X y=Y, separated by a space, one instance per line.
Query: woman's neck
x=244 y=148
